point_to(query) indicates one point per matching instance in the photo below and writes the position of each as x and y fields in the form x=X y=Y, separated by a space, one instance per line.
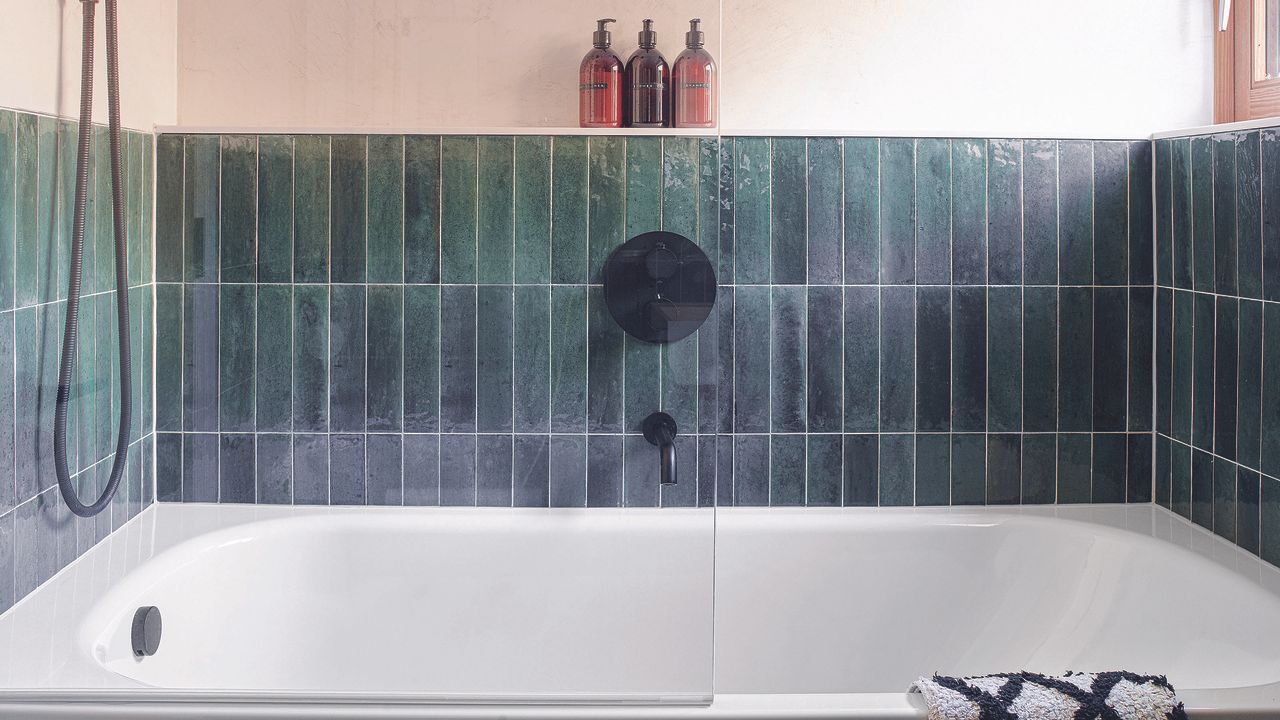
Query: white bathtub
x=500 y=613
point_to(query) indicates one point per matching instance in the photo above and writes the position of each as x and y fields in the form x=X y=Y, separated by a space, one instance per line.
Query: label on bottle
x=589 y=86
x=651 y=85
x=696 y=86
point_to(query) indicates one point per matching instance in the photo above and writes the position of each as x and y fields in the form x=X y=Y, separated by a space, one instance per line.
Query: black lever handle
x=660 y=429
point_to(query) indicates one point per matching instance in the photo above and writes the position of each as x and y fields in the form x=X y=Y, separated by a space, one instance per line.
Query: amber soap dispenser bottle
x=693 y=81
x=647 y=97
x=600 y=82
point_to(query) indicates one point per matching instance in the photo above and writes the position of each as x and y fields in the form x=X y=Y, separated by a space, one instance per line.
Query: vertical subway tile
x=495 y=229
x=533 y=371
x=1138 y=488
x=644 y=185
x=969 y=359
x=275 y=209
x=824 y=465
x=384 y=358
x=1180 y=204
x=786 y=470
x=604 y=367
x=200 y=246
x=707 y=189
x=824 y=219
x=567 y=484
x=726 y=189
x=1202 y=222
x=1202 y=372
x=532 y=212
x=933 y=211
x=1140 y=213
x=933 y=469
x=458 y=209
x=1040 y=212
x=606 y=200
x=383 y=476
x=897 y=212
x=1110 y=343
x=200 y=467
x=1226 y=376
x=493 y=470
x=169 y=467
x=1140 y=366
x=751 y=361
x=8 y=225
x=1075 y=354
x=969 y=469
x=311 y=469
x=310 y=358
x=1075 y=193
x=640 y=472
x=422 y=212
x=569 y=187
x=8 y=487
x=897 y=470
x=200 y=355
x=861 y=359
x=1039 y=469
x=348 y=178
x=751 y=210
x=386 y=214
x=311 y=193
x=641 y=381
x=168 y=207
x=681 y=382
x=1004 y=469
x=494 y=359
x=422 y=360
x=421 y=469
x=568 y=359
x=347 y=381
x=679 y=181
x=1224 y=498
x=1224 y=220
x=788 y=362
x=1270 y=391
x=236 y=469
x=1004 y=358
x=861 y=210
x=274 y=358
x=933 y=358
x=1074 y=464
x=1249 y=407
x=532 y=471
x=1248 y=220
x=897 y=360
x=238 y=213
x=1183 y=355
x=969 y=252
x=1180 y=480
x=1270 y=152
x=861 y=470
x=1248 y=505
x=1163 y=471
x=604 y=470
x=1110 y=213
x=458 y=470
x=347 y=469
x=825 y=364
x=787 y=210
x=750 y=470
x=1110 y=453
x=46 y=204
x=26 y=210
x=720 y=358
x=168 y=350
x=1004 y=211
x=1163 y=212
x=1269 y=543
x=235 y=338
x=1202 y=489
x=274 y=469
x=458 y=361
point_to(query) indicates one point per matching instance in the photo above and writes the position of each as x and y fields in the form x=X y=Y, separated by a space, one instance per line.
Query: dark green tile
x=348 y=200
x=569 y=254
x=969 y=211
x=384 y=358
x=606 y=200
x=1110 y=461
x=861 y=210
x=642 y=382
x=750 y=470
x=1163 y=212
x=311 y=358
x=1040 y=212
x=168 y=357
x=201 y=204
x=1202 y=226
x=1075 y=353
x=422 y=359
x=1074 y=463
x=347 y=470
x=897 y=470
x=1226 y=377
x=897 y=211
x=1141 y=317
x=1202 y=373
x=1110 y=213
x=494 y=359
x=46 y=205
x=1202 y=489
x=644 y=185
x=1180 y=223
x=1248 y=214
x=133 y=201
x=1248 y=515
x=680 y=186
x=26 y=211
x=861 y=359
x=1270 y=534
x=787 y=210
x=569 y=359
x=169 y=169
x=1270 y=162
x=169 y=467
x=680 y=382
x=897 y=360
x=66 y=184
x=311 y=469
x=236 y=468
x=1180 y=480
x=640 y=473
x=238 y=212
x=1004 y=469
x=568 y=471
x=236 y=392
x=1270 y=391
x=384 y=472
x=933 y=211
x=933 y=358
x=823 y=460
x=825 y=364
x=310 y=208
x=348 y=382
x=386 y=248
x=1184 y=365
x=786 y=470
x=604 y=368
x=751 y=210
x=1110 y=360
x=708 y=198
x=1224 y=498
x=200 y=356
x=1004 y=211
x=422 y=230
x=933 y=469
x=533 y=371
x=1164 y=361
x=969 y=359
x=727 y=260
x=825 y=223
x=1040 y=359
x=148 y=219
x=531 y=460
x=1075 y=195
x=200 y=468
x=861 y=470
x=788 y=361
x=275 y=208
x=495 y=234
x=1163 y=470
x=274 y=363
x=717 y=356
x=751 y=360
x=533 y=209
x=1141 y=214
x=458 y=372
x=969 y=469
x=493 y=470
x=604 y=470
x=1249 y=408
x=1224 y=221
x=458 y=209
x=1004 y=359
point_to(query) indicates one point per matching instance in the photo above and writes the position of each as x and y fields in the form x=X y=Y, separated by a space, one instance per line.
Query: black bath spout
x=660 y=429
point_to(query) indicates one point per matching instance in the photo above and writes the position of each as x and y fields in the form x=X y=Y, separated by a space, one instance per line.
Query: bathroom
x=651 y=359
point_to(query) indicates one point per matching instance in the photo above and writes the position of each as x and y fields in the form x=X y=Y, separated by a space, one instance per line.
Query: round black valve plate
x=659 y=286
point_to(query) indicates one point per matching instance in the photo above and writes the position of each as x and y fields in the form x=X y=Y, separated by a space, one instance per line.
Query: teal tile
x=824 y=342
x=386 y=208
x=824 y=217
x=348 y=383
x=421 y=359
x=1248 y=211
x=861 y=210
x=495 y=251
x=751 y=372
x=273 y=364
x=1074 y=465
x=494 y=358
x=969 y=360
x=311 y=192
x=200 y=357
x=458 y=209
x=1040 y=212
x=200 y=243
x=311 y=358
x=1225 y=256
x=46 y=205
x=533 y=209
x=861 y=359
x=606 y=200
x=1004 y=359
x=897 y=470
x=1004 y=211
x=458 y=373
x=1183 y=364
x=569 y=254
x=1075 y=360
x=1202 y=227
x=933 y=359
x=384 y=358
x=1270 y=531
x=89 y=246
x=824 y=464
x=569 y=359
x=750 y=471
x=8 y=207
x=933 y=469
x=236 y=393
x=1004 y=469
x=1075 y=193
x=532 y=408
x=148 y=205
x=969 y=210
x=642 y=385
x=751 y=210
x=680 y=186
x=1040 y=359
x=788 y=359
x=105 y=337
x=66 y=184
x=348 y=183
x=104 y=233
x=1270 y=386
x=897 y=359
x=725 y=198
x=421 y=209
x=26 y=212
x=1180 y=208
x=1110 y=468
x=644 y=185
x=133 y=201
x=786 y=470
x=136 y=323
x=933 y=211
x=275 y=208
x=787 y=216
x=897 y=211
x=239 y=209
x=680 y=382
x=1039 y=469
x=1110 y=213
x=708 y=198
x=604 y=368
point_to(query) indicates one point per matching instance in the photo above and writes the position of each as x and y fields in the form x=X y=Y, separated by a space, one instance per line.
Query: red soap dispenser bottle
x=693 y=79
x=600 y=82
x=647 y=99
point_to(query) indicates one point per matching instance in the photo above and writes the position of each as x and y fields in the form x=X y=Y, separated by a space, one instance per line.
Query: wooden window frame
x=1237 y=96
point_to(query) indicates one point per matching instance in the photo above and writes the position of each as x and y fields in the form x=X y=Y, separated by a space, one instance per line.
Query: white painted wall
x=982 y=67
x=40 y=59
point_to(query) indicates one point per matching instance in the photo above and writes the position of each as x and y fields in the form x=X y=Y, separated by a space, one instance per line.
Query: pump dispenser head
x=648 y=38
x=602 y=38
x=695 y=38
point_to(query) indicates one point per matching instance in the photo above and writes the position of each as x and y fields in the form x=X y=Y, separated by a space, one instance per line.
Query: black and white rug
x=1031 y=696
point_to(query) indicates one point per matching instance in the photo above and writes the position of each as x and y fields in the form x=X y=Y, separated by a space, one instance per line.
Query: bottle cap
x=648 y=38
x=695 y=37
x=601 y=38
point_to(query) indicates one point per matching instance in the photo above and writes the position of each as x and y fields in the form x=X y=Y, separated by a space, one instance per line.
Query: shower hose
x=69 y=337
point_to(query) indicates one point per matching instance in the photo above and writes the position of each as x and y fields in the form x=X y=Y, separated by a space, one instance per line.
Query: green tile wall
x=392 y=319
x=38 y=534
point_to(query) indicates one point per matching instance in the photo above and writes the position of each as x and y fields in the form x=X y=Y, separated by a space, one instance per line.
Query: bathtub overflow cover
x=146 y=631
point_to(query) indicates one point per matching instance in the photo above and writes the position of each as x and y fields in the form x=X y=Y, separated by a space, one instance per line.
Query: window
x=1246 y=60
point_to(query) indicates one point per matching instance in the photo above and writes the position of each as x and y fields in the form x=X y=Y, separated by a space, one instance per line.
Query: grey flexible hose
x=71 y=330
